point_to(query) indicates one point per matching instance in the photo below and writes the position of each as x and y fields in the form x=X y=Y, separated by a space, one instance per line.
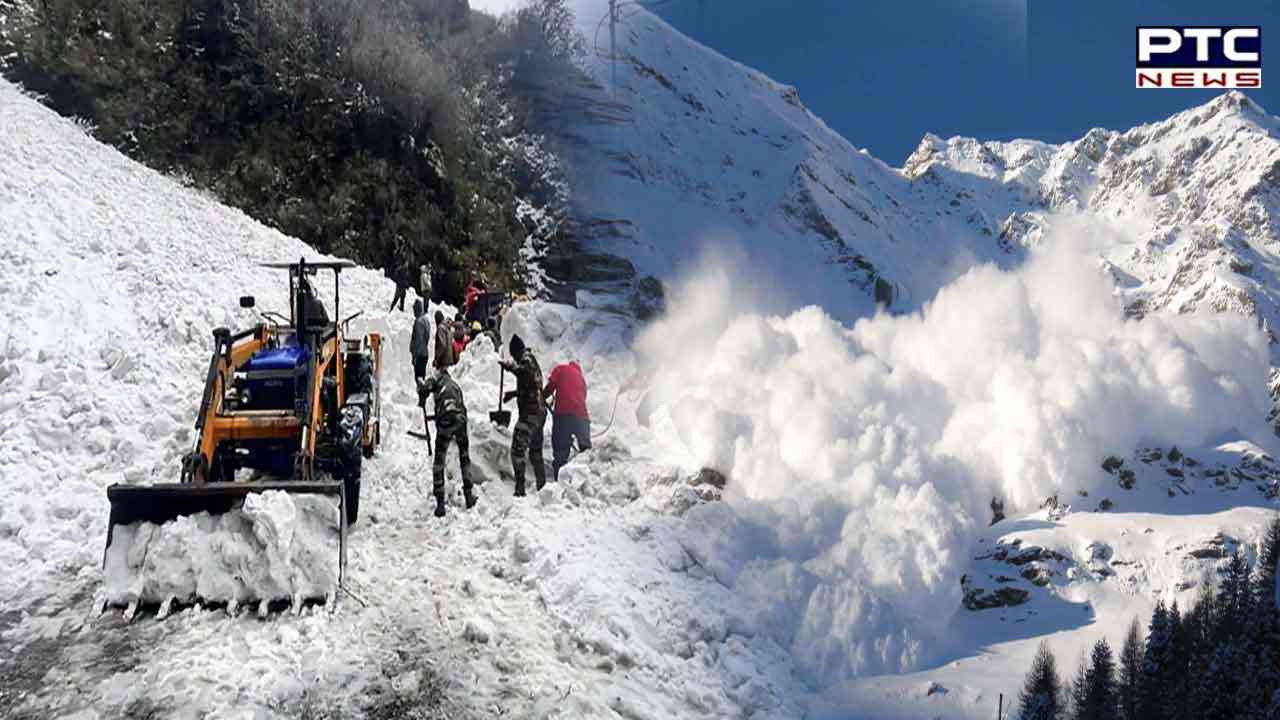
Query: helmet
x=475 y=326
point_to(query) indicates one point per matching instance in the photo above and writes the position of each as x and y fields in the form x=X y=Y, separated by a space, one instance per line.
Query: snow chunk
x=277 y=546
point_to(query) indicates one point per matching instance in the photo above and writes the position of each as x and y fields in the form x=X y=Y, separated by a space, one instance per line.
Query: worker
x=569 y=420
x=401 y=278
x=460 y=338
x=314 y=308
x=475 y=288
x=527 y=437
x=451 y=426
x=424 y=282
x=420 y=341
x=443 y=355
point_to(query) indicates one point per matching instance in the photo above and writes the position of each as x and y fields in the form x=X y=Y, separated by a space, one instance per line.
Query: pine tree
x=1130 y=679
x=1219 y=697
x=1267 y=560
x=1262 y=626
x=1181 y=652
x=1179 y=640
x=1041 y=697
x=1233 y=599
x=1078 y=691
x=1201 y=630
x=1155 y=666
x=1093 y=693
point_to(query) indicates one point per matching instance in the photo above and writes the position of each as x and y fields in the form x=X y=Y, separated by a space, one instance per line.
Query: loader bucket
x=164 y=503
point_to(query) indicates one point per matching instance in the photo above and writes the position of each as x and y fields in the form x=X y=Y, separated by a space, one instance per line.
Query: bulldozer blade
x=165 y=502
x=162 y=503
x=501 y=418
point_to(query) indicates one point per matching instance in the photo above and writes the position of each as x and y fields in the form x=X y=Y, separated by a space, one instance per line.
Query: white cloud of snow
x=862 y=460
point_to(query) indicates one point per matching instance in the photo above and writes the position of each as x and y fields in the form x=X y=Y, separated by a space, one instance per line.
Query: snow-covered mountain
x=674 y=145
x=837 y=563
x=1196 y=195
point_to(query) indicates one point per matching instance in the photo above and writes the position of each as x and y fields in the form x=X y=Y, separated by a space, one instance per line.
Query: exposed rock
x=1100 y=558
x=1111 y=464
x=709 y=476
x=997 y=510
x=1034 y=553
x=1036 y=575
x=977 y=598
x=1218 y=546
x=648 y=300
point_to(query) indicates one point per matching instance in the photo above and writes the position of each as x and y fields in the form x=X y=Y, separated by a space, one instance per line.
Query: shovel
x=500 y=417
x=426 y=429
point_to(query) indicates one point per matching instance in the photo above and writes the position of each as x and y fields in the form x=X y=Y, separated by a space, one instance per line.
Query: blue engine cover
x=270 y=377
x=285 y=357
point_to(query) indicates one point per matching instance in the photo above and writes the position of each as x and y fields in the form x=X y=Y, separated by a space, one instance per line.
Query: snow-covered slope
x=579 y=601
x=673 y=147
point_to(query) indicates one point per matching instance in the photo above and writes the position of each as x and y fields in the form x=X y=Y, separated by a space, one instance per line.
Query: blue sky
x=884 y=72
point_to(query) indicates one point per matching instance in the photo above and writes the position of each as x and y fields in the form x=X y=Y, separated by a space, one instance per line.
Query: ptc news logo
x=1199 y=57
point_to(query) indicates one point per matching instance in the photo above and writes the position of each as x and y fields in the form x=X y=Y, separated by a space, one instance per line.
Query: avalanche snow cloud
x=862 y=460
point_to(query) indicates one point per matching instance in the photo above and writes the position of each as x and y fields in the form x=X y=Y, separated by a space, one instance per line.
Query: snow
x=860 y=449
x=276 y=547
x=861 y=460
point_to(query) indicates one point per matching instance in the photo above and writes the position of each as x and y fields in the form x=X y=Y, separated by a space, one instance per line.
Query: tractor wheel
x=351 y=486
x=349 y=473
x=222 y=469
x=194 y=469
x=351 y=458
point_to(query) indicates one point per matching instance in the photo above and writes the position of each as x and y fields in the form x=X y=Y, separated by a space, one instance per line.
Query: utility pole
x=613 y=45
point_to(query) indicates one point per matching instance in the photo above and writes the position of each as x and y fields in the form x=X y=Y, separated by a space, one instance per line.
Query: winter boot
x=520 y=487
x=470 y=497
x=439 y=506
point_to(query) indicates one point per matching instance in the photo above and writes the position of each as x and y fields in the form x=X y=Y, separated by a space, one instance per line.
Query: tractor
x=290 y=404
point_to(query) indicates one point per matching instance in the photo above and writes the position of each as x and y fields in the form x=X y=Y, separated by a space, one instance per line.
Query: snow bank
x=861 y=460
x=277 y=546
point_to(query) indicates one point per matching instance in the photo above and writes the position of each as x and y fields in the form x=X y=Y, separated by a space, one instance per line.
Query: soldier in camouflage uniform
x=451 y=426
x=527 y=438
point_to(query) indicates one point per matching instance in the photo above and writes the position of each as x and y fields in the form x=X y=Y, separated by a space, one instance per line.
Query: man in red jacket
x=570 y=419
x=475 y=288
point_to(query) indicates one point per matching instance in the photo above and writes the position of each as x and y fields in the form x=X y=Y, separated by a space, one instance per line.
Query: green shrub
x=367 y=129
